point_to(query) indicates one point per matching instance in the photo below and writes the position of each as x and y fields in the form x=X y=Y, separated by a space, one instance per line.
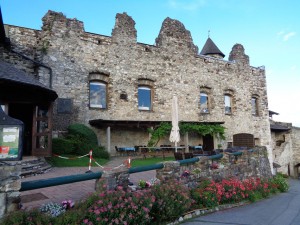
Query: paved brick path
x=75 y=191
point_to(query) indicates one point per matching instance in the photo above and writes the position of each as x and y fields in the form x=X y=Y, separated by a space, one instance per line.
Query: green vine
x=164 y=129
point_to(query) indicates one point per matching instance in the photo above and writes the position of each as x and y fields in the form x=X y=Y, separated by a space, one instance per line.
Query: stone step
x=31 y=167
x=35 y=171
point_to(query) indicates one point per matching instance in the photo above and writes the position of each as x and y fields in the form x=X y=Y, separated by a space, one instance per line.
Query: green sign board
x=10 y=142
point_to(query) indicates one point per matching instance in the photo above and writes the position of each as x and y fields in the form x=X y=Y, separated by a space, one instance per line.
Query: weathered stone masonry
x=173 y=66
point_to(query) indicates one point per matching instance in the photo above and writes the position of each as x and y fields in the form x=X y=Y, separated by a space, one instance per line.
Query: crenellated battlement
x=174 y=35
x=57 y=24
x=238 y=54
x=124 y=31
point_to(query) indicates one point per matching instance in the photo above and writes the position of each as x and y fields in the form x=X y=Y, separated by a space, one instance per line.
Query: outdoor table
x=157 y=149
x=196 y=147
x=127 y=149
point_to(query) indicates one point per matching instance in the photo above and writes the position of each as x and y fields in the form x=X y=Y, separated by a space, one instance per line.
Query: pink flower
x=146 y=209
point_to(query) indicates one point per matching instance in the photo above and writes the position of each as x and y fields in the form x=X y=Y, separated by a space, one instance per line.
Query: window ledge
x=97 y=108
x=144 y=108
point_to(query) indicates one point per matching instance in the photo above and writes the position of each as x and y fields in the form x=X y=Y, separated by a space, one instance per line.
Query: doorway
x=208 y=143
x=23 y=112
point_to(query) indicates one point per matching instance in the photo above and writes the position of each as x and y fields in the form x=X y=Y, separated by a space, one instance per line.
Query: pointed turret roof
x=210 y=48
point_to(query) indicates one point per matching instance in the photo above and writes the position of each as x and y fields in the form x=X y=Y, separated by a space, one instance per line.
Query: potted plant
x=219 y=149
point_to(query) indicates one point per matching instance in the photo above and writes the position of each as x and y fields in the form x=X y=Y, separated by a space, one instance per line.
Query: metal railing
x=36 y=184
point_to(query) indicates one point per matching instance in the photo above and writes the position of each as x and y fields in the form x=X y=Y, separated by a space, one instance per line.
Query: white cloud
x=190 y=5
x=288 y=35
x=280 y=33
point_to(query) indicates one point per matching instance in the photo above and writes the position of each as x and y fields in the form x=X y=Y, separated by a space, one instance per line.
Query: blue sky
x=268 y=29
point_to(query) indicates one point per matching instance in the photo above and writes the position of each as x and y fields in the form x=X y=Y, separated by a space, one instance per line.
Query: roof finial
x=208 y=33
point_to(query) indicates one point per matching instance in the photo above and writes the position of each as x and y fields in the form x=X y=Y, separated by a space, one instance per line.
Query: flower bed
x=156 y=204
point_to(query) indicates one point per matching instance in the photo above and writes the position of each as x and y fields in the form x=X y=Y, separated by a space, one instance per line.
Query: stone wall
x=286 y=148
x=282 y=151
x=10 y=184
x=250 y=164
x=296 y=144
x=173 y=65
x=296 y=149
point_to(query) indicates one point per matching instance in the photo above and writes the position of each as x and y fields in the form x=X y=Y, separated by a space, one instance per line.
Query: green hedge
x=62 y=146
x=81 y=131
x=80 y=140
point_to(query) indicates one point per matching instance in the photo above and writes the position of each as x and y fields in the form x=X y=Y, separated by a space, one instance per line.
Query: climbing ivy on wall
x=159 y=132
x=164 y=130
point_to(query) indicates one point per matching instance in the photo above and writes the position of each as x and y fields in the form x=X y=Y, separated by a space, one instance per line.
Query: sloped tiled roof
x=11 y=74
x=211 y=48
x=278 y=127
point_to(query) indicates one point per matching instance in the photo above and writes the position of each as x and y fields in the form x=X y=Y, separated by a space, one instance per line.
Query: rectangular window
x=227 y=99
x=98 y=95
x=254 y=106
x=144 y=98
x=204 y=103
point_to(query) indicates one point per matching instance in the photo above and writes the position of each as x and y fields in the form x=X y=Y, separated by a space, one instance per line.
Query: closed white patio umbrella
x=174 y=135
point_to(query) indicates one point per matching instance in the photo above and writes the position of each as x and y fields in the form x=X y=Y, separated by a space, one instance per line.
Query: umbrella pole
x=175 y=146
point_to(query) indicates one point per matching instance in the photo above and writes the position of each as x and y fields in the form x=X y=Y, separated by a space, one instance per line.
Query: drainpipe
x=37 y=63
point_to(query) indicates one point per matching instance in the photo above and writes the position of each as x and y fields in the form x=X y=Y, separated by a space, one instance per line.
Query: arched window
x=228 y=104
x=204 y=103
x=144 y=98
x=98 y=94
x=254 y=103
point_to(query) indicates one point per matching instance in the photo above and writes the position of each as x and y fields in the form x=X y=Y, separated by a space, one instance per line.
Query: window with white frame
x=228 y=103
x=98 y=94
x=144 y=98
x=204 y=103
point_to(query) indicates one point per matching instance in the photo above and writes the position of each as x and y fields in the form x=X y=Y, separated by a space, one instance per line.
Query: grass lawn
x=84 y=162
x=150 y=161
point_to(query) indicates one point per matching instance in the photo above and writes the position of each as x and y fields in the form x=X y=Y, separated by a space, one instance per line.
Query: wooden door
x=208 y=143
x=243 y=140
x=42 y=131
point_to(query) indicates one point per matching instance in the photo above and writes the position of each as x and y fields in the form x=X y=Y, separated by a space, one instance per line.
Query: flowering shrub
x=22 y=217
x=210 y=194
x=67 y=204
x=186 y=173
x=205 y=195
x=156 y=205
x=172 y=200
x=214 y=166
x=120 y=207
x=144 y=184
x=52 y=209
x=280 y=183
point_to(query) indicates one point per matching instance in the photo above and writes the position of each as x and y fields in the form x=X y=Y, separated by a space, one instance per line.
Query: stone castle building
x=121 y=87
